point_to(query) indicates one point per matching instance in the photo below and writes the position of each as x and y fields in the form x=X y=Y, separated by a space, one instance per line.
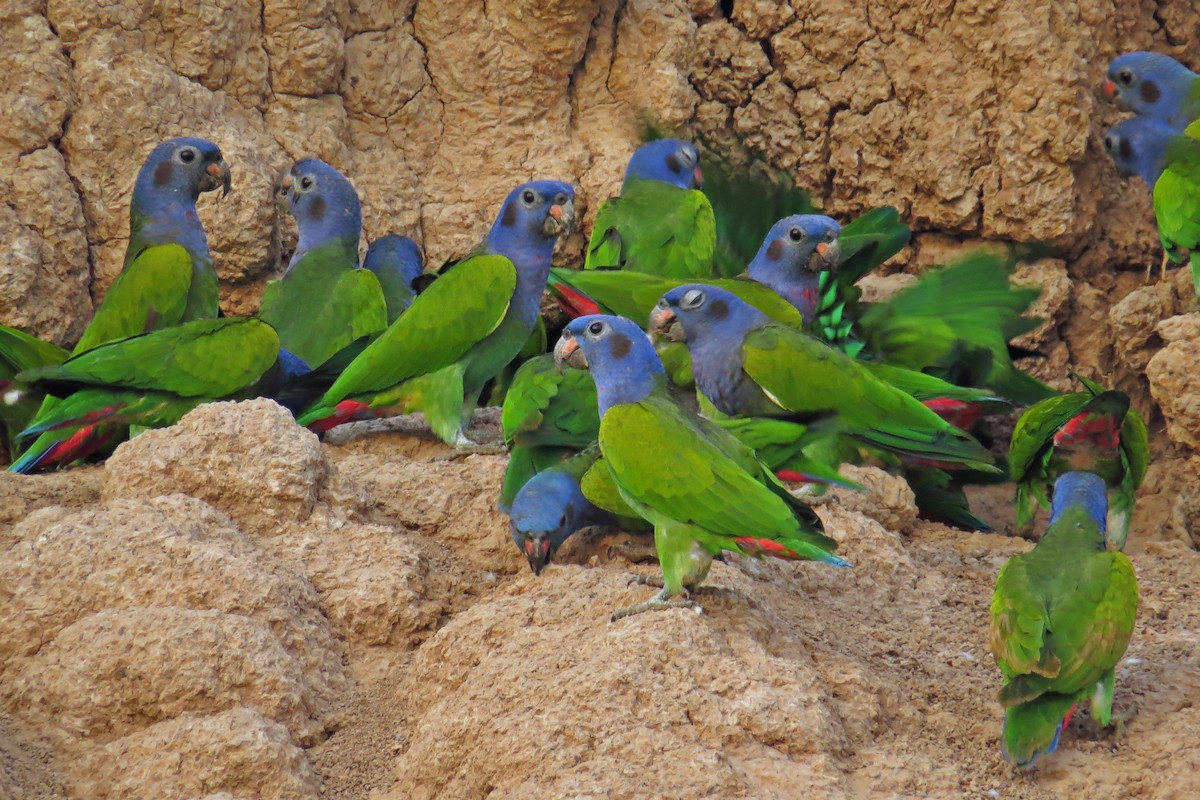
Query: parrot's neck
x=345 y=246
x=531 y=255
x=627 y=381
x=173 y=223
x=800 y=286
x=1080 y=496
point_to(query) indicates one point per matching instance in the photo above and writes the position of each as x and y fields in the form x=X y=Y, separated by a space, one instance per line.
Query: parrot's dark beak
x=664 y=325
x=559 y=219
x=826 y=256
x=567 y=352
x=217 y=174
x=537 y=553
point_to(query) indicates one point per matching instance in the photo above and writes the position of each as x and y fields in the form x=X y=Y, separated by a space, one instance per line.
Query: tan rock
x=248 y=459
x=1173 y=383
x=885 y=498
x=1135 y=321
x=240 y=751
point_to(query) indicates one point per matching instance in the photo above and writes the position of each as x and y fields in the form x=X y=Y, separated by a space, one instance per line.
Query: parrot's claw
x=1121 y=718
x=645 y=580
x=659 y=602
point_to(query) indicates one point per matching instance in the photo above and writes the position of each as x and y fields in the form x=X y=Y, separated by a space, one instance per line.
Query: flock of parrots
x=706 y=370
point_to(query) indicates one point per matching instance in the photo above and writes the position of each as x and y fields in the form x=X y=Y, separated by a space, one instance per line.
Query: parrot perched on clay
x=1093 y=430
x=168 y=275
x=1154 y=86
x=324 y=301
x=150 y=380
x=661 y=224
x=1061 y=618
x=748 y=365
x=462 y=330
x=397 y=263
x=703 y=490
x=19 y=352
x=551 y=506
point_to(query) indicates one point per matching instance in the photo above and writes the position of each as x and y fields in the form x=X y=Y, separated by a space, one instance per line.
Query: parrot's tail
x=51 y=449
x=572 y=301
x=789 y=550
x=322 y=418
x=1033 y=729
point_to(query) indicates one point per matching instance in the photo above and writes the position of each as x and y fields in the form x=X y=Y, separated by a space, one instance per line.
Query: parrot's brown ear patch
x=316 y=209
x=621 y=345
x=775 y=250
x=673 y=164
x=1150 y=92
x=510 y=215
x=718 y=309
x=163 y=173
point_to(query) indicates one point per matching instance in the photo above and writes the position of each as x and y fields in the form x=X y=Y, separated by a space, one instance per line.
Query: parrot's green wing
x=657 y=228
x=601 y=490
x=1035 y=430
x=202 y=358
x=151 y=293
x=113 y=407
x=1019 y=622
x=444 y=322
x=804 y=375
x=324 y=303
x=667 y=462
x=633 y=295
x=19 y=351
x=550 y=406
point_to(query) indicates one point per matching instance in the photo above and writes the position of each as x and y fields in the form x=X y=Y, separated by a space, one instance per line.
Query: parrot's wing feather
x=444 y=322
x=1019 y=622
x=1034 y=432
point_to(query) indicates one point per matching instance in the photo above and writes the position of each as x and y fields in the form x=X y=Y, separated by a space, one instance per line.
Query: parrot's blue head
x=1081 y=489
x=532 y=218
x=548 y=509
x=1152 y=84
x=324 y=204
x=617 y=352
x=395 y=254
x=699 y=313
x=177 y=170
x=672 y=161
x=794 y=254
x=1138 y=146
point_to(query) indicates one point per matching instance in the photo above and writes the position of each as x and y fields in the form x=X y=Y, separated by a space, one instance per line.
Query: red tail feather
x=574 y=302
x=792 y=476
x=343 y=412
x=959 y=413
x=81 y=444
x=753 y=546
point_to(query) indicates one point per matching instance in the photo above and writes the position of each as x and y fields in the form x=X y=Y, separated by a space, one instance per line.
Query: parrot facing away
x=1061 y=618
x=462 y=330
x=148 y=380
x=661 y=223
x=397 y=263
x=1155 y=86
x=551 y=506
x=324 y=301
x=702 y=489
x=750 y=366
x=1093 y=430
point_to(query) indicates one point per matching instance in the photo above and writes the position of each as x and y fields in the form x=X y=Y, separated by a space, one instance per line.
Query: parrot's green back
x=549 y=406
x=1177 y=197
x=657 y=228
x=160 y=287
x=324 y=302
x=1061 y=618
x=19 y=352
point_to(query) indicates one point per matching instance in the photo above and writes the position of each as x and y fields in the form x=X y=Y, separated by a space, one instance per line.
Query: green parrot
x=1093 y=430
x=325 y=300
x=460 y=331
x=661 y=224
x=748 y=365
x=703 y=490
x=1061 y=618
x=150 y=380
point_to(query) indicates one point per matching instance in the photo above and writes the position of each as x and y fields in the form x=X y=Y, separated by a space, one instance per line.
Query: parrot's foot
x=659 y=602
x=636 y=579
x=1117 y=722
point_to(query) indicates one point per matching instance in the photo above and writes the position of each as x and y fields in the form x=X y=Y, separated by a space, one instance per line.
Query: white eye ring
x=596 y=329
x=692 y=298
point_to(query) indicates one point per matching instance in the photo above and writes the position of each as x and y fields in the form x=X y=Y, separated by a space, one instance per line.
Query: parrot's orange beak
x=286 y=183
x=822 y=248
x=698 y=177
x=1109 y=88
x=559 y=219
x=664 y=325
x=556 y=212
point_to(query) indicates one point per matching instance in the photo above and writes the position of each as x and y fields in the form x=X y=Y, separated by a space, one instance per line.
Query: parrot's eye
x=596 y=328
x=560 y=199
x=796 y=235
x=1108 y=145
x=306 y=183
x=1125 y=77
x=830 y=235
x=688 y=156
x=528 y=197
x=662 y=303
x=187 y=155
x=693 y=298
